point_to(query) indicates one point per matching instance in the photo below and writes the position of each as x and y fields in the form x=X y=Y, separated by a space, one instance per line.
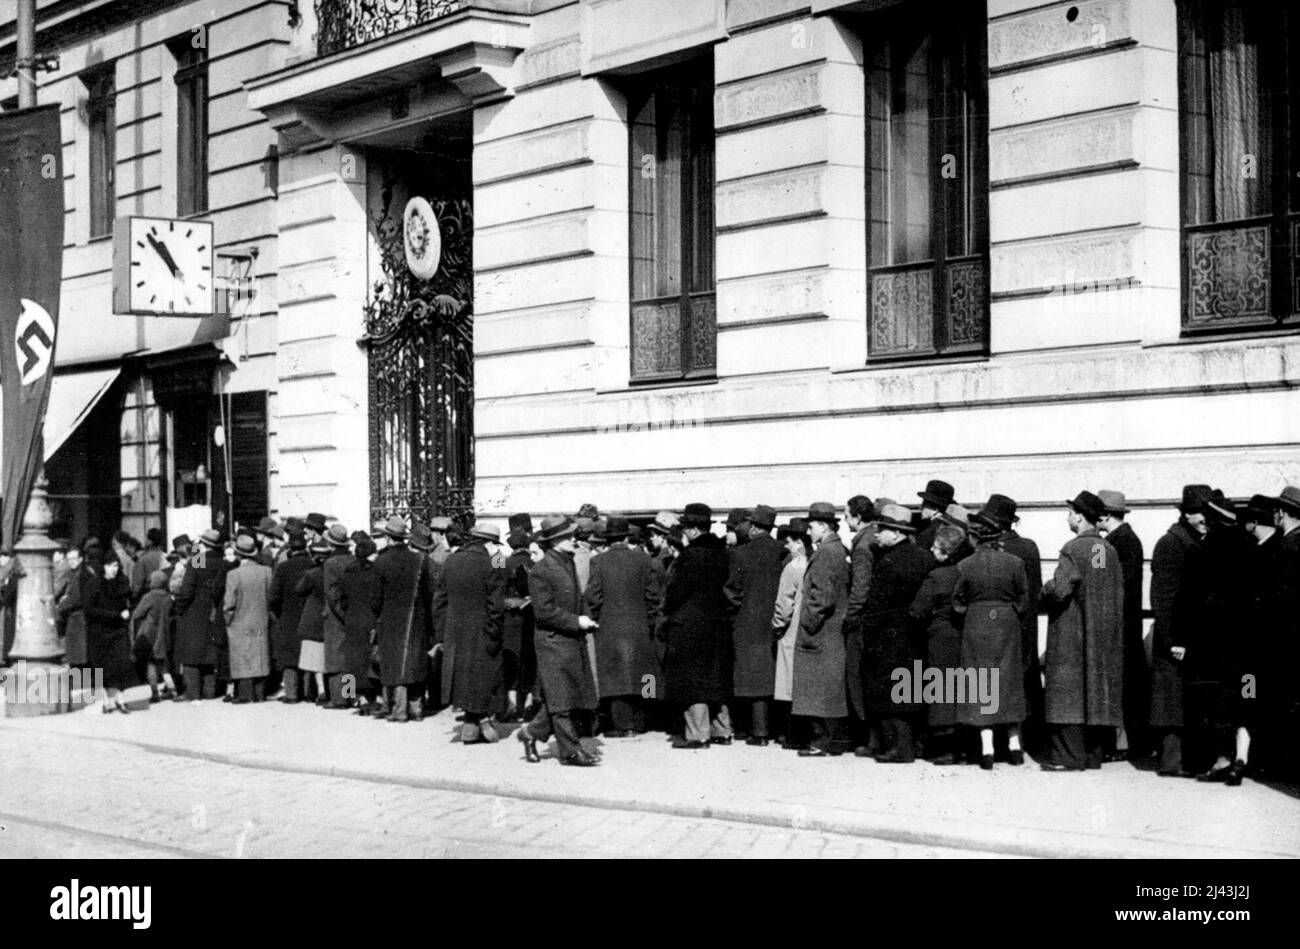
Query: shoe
x=1214 y=775
x=986 y=762
x=1235 y=774
x=757 y=741
x=815 y=752
x=893 y=757
x=322 y=700
x=1052 y=766
x=531 y=754
x=686 y=745
x=616 y=733
x=580 y=760
x=487 y=728
x=1175 y=774
x=1016 y=757
x=720 y=741
x=863 y=751
x=795 y=746
x=181 y=697
x=335 y=706
x=227 y=697
x=287 y=701
x=947 y=758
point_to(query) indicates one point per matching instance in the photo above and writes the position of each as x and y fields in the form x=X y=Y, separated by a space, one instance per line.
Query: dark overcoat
x=1085 y=635
x=72 y=609
x=358 y=619
x=992 y=593
x=623 y=595
x=819 y=686
x=1177 y=600
x=889 y=639
x=517 y=628
x=311 y=587
x=564 y=673
x=198 y=609
x=403 y=605
x=1137 y=676
x=468 y=618
x=751 y=592
x=1283 y=642
x=107 y=638
x=862 y=561
x=286 y=607
x=931 y=610
x=333 y=626
x=695 y=631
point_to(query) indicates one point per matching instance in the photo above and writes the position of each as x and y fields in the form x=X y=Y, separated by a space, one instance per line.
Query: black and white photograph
x=712 y=429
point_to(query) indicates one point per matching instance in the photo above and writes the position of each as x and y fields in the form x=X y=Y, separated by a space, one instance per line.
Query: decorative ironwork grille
x=346 y=23
x=420 y=339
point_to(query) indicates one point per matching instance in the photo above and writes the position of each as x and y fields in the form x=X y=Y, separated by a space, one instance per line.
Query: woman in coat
x=932 y=612
x=359 y=623
x=248 y=619
x=152 y=616
x=564 y=673
x=403 y=608
x=756 y=565
x=468 y=617
x=107 y=599
x=623 y=597
x=697 y=635
x=820 y=689
x=332 y=626
x=993 y=594
x=785 y=613
x=198 y=608
x=311 y=626
x=286 y=606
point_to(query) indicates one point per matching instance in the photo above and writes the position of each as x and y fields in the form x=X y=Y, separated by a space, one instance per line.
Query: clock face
x=170 y=266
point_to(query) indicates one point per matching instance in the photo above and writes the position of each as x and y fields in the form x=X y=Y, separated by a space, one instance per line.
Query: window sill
x=915 y=363
x=1187 y=337
x=661 y=384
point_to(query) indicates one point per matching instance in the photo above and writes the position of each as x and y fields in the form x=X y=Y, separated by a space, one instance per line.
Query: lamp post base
x=32 y=689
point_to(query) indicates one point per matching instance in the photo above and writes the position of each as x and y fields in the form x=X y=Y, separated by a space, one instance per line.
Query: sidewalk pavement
x=1118 y=811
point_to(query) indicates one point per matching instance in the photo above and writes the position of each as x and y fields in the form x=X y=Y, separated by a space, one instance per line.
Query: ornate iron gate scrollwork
x=420 y=341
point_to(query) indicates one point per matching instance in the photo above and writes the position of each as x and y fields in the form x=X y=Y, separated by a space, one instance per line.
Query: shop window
x=1239 y=101
x=141 y=461
x=928 y=182
x=674 y=316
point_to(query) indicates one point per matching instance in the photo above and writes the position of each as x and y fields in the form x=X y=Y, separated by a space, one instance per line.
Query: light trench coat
x=789 y=600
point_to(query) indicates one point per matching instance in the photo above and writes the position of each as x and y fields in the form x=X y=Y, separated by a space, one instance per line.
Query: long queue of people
x=917 y=641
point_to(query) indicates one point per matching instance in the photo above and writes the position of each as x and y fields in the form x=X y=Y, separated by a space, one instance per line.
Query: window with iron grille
x=191 y=123
x=927 y=181
x=101 y=132
x=1239 y=107
x=671 y=182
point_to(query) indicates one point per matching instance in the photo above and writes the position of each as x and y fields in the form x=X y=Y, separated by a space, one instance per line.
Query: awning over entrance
x=72 y=396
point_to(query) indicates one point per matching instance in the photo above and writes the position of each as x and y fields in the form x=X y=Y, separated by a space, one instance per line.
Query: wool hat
x=1222 y=509
x=998 y=511
x=1194 y=498
x=395 y=527
x=555 y=527
x=365 y=547
x=825 y=512
x=588 y=510
x=895 y=517
x=421 y=537
x=938 y=493
x=698 y=515
x=763 y=517
x=359 y=536
x=1289 y=500
x=616 y=528
x=337 y=536
x=486 y=532
x=737 y=516
x=245 y=546
x=519 y=539
x=520 y=522
x=1113 y=502
x=297 y=538
x=269 y=528
x=316 y=522
x=882 y=503
x=1259 y=509
x=180 y=542
x=665 y=522
x=957 y=516
x=1087 y=504
x=155 y=537
x=797 y=527
x=210 y=538
x=377 y=529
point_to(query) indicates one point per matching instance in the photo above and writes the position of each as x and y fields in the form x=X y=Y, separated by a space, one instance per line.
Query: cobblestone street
x=87 y=798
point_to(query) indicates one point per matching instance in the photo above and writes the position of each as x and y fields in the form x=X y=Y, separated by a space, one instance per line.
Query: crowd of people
x=917 y=641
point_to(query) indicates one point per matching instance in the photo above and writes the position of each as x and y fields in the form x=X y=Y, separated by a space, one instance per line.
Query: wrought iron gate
x=420 y=339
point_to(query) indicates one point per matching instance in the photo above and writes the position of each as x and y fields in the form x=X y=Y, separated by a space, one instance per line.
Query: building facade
x=502 y=255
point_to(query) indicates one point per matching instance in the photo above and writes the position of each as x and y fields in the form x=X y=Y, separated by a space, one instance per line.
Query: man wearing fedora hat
x=198 y=604
x=273 y=539
x=517 y=636
x=1177 y=603
x=697 y=635
x=820 y=693
x=402 y=602
x=565 y=677
x=751 y=591
x=889 y=642
x=334 y=626
x=286 y=606
x=858 y=514
x=623 y=596
x=246 y=606
x=1137 y=676
x=1286 y=608
x=468 y=619
x=935 y=499
x=1085 y=643
x=440 y=546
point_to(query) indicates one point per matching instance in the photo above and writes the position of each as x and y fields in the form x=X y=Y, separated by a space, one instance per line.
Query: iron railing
x=342 y=24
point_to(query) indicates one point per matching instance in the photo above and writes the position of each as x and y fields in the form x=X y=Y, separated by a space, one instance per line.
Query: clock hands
x=161 y=249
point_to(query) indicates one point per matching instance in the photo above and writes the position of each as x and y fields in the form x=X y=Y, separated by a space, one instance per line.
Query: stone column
x=37 y=671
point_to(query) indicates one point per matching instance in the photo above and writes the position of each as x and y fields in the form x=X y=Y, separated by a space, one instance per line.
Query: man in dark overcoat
x=623 y=594
x=1282 y=642
x=403 y=604
x=751 y=592
x=697 y=635
x=198 y=610
x=286 y=608
x=468 y=619
x=564 y=673
x=935 y=499
x=334 y=625
x=1137 y=675
x=819 y=692
x=890 y=641
x=1085 y=643
x=858 y=513
x=517 y=640
x=1177 y=602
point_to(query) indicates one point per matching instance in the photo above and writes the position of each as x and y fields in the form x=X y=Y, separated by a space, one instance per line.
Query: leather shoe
x=616 y=733
x=1052 y=766
x=1175 y=774
x=720 y=741
x=893 y=757
x=986 y=762
x=1016 y=757
x=757 y=742
x=1235 y=774
x=530 y=746
x=816 y=752
x=687 y=745
x=1215 y=776
x=580 y=760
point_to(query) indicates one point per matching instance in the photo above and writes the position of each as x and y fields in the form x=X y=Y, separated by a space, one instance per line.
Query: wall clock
x=162 y=267
x=422 y=237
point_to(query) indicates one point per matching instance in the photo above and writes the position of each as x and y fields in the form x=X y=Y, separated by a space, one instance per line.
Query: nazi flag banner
x=31 y=261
